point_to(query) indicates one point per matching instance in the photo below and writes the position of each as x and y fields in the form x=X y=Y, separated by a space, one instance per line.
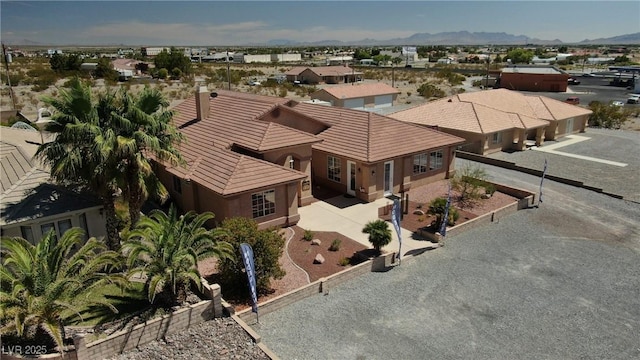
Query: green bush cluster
x=308 y=235
x=335 y=245
x=428 y=90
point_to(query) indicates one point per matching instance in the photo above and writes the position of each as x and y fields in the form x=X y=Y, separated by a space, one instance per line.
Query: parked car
x=573 y=100
x=617 y=103
x=633 y=99
x=573 y=81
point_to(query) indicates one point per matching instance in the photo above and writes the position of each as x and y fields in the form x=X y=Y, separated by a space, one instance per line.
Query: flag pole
x=544 y=172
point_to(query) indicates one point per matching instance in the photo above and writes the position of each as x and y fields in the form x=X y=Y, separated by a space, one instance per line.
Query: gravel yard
x=558 y=282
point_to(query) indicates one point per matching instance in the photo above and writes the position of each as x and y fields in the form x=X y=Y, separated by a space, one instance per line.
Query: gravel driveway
x=558 y=282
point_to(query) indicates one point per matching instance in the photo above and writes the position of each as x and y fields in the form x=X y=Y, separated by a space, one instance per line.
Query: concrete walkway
x=348 y=216
x=553 y=149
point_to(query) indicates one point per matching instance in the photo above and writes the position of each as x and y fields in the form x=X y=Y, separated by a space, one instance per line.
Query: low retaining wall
x=380 y=263
x=513 y=166
x=525 y=200
x=141 y=334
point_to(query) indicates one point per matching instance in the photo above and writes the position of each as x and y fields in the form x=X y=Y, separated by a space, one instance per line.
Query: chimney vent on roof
x=213 y=95
x=202 y=103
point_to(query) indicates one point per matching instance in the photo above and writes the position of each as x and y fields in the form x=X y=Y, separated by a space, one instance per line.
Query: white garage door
x=354 y=103
x=384 y=100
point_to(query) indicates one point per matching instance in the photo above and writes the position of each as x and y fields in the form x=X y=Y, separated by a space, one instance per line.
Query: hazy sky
x=244 y=22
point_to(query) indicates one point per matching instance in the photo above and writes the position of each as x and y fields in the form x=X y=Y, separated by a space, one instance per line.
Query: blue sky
x=243 y=22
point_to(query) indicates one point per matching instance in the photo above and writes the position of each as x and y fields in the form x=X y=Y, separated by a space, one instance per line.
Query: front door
x=388 y=178
x=569 y=126
x=351 y=178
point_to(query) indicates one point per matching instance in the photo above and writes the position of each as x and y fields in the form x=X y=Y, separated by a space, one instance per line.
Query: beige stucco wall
x=302 y=162
x=201 y=199
x=369 y=101
x=96 y=225
x=370 y=177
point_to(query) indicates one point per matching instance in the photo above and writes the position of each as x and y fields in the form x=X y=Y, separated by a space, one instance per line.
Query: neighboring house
x=533 y=78
x=323 y=74
x=30 y=205
x=260 y=157
x=495 y=120
x=361 y=96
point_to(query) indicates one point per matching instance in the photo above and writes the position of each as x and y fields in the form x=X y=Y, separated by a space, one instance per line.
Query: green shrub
x=308 y=235
x=427 y=90
x=437 y=207
x=335 y=245
x=344 y=261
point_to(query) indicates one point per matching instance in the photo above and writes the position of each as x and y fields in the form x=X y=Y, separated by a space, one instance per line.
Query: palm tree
x=166 y=248
x=105 y=144
x=145 y=129
x=83 y=151
x=379 y=233
x=38 y=283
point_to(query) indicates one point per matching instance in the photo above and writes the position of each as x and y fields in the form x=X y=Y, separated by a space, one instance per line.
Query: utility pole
x=7 y=60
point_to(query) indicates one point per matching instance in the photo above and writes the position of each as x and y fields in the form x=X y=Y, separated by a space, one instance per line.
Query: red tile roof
x=370 y=137
x=358 y=91
x=233 y=120
x=228 y=173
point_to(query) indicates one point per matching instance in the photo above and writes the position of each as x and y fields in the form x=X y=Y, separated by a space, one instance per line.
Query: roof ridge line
x=473 y=106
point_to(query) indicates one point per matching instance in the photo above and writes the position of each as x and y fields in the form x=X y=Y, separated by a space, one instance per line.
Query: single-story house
x=499 y=119
x=323 y=74
x=31 y=205
x=261 y=157
x=361 y=96
x=371 y=156
x=533 y=78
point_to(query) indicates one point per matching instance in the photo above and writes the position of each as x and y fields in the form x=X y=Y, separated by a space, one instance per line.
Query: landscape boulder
x=316 y=242
x=319 y=259
x=418 y=212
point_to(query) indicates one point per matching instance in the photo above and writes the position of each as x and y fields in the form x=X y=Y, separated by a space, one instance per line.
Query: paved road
x=558 y=282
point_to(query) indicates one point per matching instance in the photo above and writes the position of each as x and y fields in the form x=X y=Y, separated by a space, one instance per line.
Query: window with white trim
x=263 y=203
x=497 y=138
x=435 y=160
x=420 y=163
x=333 y=168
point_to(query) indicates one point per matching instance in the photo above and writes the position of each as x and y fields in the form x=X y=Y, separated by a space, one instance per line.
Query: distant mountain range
x=464 y=38
x=443 y=38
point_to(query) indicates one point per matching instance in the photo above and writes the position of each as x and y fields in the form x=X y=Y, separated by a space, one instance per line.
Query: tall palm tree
x=40 y=282
x=166 y=248
x=145 y=129
x=379 y=233
x=105 y=145
x=83 y=150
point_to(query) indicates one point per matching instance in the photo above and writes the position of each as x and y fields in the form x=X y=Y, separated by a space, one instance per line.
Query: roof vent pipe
x=202 y=103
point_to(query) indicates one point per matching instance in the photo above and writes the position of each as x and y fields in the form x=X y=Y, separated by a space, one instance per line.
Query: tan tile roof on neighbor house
x=233 y=120
x=338 y=70
x=358 y=91
x=488 y=111
x=370 y=137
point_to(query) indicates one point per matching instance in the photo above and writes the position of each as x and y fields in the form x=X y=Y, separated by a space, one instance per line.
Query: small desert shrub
x=335 y=245
x=308 y=235
x=437 y=207
x=344 y=261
